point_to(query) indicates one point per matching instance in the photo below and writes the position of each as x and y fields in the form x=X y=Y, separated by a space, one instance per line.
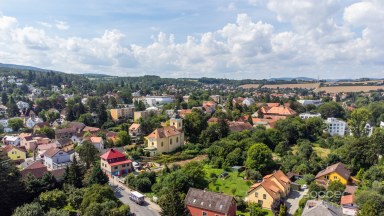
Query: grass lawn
x=321 y=152
x=270 y=213
x=227 y=185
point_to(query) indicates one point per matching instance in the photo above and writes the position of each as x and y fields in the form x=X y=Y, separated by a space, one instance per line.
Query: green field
x=233 y=181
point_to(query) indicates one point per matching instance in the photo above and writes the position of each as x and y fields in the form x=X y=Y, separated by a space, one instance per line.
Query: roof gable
x=112 y=154
x=209 y=200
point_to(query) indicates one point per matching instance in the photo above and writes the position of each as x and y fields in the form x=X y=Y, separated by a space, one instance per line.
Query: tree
x=172 y=204
x=4 y=98
x=73 y=174
x=259 y=157
x=30 y=209
x=12 y=110
x=53 y=199
x=88 y=153
x=15 y=123
x=123 y=138
x=194 y=124
x=337 y=188
x=102 y=113
x=331 y=109
x=49 y=132
x=34 y=186
x=371 y=203
x=359 y=118
x=55 y=212
x=97 y=176
x=12 y=192
x=256 y=210
x=283 y=210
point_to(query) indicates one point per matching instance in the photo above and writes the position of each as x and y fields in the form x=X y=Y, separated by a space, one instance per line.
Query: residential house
x=55 y=158
x=97 y=142
x=92 y=130
x=184 y=112
x=281 y=110
x=381 y=124
x=31 y=142
x=238 y=100
x=186 y=98
x=3 y=110
x=209 y=106
x=15 y=153
x=39 y=126
x=335 y=172
x=115 y=163
x=321 y=207
x=236 y=126
x=36 y=169
x=65 y=144
x=248 y=101
x=135 y=130
x=310 y=102
x=207 y=203
x=126 y=112
x=348 y=205
x=41 y=149
x=140 y=114
x=216 y=98
x=336 y=127
x=22 y=105
x=270 y=190
x=11 y=140
x=166 y=139
x=4 y=124
x=111 y=136
x=310 y=115
x=157 y=100
x=31 y=122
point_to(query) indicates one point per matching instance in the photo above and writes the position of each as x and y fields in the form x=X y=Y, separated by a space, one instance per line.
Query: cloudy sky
x=182 y=38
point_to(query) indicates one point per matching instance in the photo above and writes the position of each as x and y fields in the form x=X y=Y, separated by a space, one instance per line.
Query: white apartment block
x=309 y=115
x=336 y=127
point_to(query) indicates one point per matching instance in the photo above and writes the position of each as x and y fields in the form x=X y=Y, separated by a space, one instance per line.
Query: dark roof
x=76 y=125
x=208 y=200
x=51 y=152
x=320 y=207
x=65 y=130
x=58 y=173
x=63 y=142
x=36 y=169
x=338 y=168
x=42 y=124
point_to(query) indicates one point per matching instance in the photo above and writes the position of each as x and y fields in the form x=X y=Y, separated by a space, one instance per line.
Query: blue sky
x=219 y=38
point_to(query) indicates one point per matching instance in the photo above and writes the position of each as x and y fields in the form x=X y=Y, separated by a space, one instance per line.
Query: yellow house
x=117 y=114
x=166 y=139
x=335 y=172
x=15 y=153
x=273 y=187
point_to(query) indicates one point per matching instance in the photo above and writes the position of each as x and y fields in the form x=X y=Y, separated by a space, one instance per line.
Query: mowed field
x=302 y=85
x=337 y=89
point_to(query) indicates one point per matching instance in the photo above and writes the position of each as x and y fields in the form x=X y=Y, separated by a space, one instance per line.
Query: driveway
x=148 y=208
x=293 y=200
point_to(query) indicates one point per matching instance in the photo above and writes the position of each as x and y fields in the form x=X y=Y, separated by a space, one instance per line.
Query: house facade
x=310 y=115
x=15 y=153
x=55 y=158
x=336 y=126
x=11 y=140
x=206 y=203
x=335 y=172
x=115 y=163
x=125 y=112
x=135 y=130
x=272 y=188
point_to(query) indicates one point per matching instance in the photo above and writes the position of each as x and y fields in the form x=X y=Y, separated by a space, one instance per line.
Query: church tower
x=176 y=121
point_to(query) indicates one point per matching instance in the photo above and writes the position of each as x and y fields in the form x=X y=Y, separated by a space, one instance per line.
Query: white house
x=4 y=124
x=309 y=115
x=381 y=124
x=31 y=122
x=55 y=88
x=3 y=110
x=11 y=140
x=336 y=127
x=248 y=101
x=55 y=158
x=308 y=102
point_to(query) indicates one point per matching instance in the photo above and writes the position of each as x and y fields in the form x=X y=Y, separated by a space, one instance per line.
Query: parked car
x=136 y=197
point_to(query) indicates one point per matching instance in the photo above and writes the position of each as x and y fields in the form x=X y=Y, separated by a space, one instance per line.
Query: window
x=177 y=139
x=260 y=202
x=115 y=167
x=152 y=143
x=264 y=196
x=205 y=214
x=170 y=141
x=334 y=177
x=256 y=194
x=162 y=144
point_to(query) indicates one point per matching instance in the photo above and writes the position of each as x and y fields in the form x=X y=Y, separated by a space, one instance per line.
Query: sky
x=233 y=39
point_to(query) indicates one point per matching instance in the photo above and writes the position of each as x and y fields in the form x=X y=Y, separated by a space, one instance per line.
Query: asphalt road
x=138 y=210
x=293 y=200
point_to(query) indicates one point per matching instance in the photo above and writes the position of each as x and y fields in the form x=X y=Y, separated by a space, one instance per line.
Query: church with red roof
x=115 y=163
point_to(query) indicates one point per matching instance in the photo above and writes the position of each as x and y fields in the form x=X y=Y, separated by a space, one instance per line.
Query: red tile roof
x=36 y=169
x=112 y=154
x=348 y=199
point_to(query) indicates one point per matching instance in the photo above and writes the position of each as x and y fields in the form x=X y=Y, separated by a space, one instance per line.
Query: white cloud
x=61 y=25
x=318 y=42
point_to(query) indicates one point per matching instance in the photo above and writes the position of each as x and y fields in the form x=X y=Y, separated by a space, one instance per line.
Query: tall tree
x=172 y=204
x=259 y=157
x=30 y=209
x=359 y=118
x=74 y=174
x=88 y=153
x=194 y=124
x=4 y=98
x=97 y=176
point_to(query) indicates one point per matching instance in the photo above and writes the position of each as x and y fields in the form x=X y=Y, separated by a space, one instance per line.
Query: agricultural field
x=248 y=86
x=338 y=89
x=302 y=85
